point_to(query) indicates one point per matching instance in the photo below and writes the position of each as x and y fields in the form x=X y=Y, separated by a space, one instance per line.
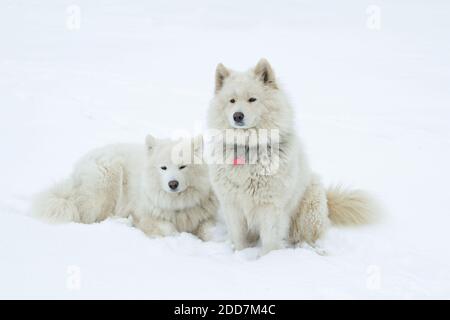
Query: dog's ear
x=150 y=142
x=264 y=72
x=221 y=73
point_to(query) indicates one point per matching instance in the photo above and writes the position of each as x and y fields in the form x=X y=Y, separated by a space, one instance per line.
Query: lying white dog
x=162 y=195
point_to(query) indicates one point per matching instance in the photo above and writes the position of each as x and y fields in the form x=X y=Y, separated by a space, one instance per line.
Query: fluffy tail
x=351 y=207
x=57 y=205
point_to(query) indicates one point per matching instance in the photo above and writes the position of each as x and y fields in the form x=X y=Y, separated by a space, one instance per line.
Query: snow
x=372 y=108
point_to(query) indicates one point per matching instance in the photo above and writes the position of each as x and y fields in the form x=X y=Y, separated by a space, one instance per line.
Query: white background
x=372 y=103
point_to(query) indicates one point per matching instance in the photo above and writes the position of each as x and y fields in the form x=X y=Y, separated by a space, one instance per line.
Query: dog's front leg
x=237 y=226
x=274 y=228
x=156 y=228
x=204 y=230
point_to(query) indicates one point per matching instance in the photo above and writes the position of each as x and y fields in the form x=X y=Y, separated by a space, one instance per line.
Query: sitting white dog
x=276 y=197
x=163 y=195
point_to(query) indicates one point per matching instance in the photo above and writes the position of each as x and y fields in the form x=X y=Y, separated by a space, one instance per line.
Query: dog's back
x=97 y=188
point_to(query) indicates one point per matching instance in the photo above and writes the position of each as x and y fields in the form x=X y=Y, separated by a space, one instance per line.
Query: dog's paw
x=320 y=251
x=314 y=247
x=238 y=246
x=272 y=247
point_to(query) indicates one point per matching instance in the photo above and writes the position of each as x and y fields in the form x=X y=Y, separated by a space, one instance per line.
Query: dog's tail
x=351 y=207
x=57 y=204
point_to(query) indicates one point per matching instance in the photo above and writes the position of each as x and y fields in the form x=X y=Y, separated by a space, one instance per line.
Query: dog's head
x=173 y=171
x=251 y=99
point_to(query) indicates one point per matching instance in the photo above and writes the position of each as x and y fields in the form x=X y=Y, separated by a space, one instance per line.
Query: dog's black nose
x=173 y=184
x=238 y=116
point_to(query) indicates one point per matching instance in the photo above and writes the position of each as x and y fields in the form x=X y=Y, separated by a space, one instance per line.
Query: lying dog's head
x=250 y=99
x=171 y=172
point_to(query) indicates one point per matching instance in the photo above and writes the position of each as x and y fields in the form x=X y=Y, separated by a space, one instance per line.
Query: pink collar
x=238 y=161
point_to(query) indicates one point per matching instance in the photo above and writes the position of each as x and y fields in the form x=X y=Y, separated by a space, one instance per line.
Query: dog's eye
x=163 y=168
x=252 y=99
x=232 y=100
x=182 y=167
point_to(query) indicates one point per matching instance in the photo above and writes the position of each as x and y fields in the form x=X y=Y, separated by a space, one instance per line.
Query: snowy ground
x=373 y=108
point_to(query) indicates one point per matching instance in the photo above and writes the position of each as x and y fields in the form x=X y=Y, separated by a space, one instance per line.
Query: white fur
x=289 y=205
x=127 y=180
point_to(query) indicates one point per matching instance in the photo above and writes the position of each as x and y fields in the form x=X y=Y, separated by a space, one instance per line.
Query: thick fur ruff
x=127 y=180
